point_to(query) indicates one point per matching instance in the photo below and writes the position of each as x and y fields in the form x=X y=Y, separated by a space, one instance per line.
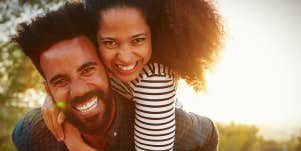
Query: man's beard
x=100 y=123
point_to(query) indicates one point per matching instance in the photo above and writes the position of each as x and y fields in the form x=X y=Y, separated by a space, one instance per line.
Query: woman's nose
x=125 y=55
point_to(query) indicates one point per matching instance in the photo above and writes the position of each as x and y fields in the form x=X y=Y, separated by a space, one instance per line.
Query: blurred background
x=254 y=94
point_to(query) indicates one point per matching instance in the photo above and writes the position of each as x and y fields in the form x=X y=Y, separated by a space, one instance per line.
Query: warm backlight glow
x=257 y=79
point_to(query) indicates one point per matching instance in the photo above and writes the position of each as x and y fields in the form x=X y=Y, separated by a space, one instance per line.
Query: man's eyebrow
x=90 y=63
x=56 y=77
x=141 y=34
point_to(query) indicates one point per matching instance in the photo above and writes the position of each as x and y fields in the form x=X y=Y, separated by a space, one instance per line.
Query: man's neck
x=99 y=141
x=96 y=141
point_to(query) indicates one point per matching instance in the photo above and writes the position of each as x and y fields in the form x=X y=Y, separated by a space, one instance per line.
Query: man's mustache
x=96 y=92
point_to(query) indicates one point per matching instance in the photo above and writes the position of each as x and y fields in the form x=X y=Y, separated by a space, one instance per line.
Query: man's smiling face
x=76 y=77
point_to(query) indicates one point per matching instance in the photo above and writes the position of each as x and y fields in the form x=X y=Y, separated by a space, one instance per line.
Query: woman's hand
x=73 y=139
x=53 y=118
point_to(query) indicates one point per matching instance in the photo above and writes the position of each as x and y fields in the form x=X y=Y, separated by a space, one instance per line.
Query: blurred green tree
x=237 y=137
x=270 y=145
x=18 y=76
x=298 y=141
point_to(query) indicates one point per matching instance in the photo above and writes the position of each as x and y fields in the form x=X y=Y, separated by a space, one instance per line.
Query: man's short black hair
x=67 y=22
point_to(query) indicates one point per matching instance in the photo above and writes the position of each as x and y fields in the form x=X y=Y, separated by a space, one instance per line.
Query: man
x=62 y=47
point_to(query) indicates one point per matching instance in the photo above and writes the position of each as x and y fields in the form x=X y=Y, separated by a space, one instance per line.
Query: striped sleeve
x=154 y=95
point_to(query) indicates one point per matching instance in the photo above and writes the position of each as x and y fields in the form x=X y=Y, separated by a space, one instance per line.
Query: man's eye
x=88 y=71
x=110 y=44
x=60 y=83
x=138 y=41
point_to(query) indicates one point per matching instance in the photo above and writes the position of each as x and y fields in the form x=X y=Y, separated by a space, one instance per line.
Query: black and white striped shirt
x=154 y=95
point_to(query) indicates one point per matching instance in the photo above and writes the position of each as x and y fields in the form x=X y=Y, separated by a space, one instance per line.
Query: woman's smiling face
x=124 y=39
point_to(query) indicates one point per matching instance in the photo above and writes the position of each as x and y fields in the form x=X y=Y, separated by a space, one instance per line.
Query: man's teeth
x=127 y=67
x=88 y=106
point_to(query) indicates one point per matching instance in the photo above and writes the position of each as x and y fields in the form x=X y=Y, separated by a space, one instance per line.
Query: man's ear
x=46 y=87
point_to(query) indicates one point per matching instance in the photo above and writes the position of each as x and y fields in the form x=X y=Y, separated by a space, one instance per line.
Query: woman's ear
x=46 y=87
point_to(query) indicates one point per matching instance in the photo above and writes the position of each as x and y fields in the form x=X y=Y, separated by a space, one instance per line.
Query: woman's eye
x=88 y=71
x=110 y=44
x=138 y=41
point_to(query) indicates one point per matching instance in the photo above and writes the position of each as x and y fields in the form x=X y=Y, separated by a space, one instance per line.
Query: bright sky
x=257 y=80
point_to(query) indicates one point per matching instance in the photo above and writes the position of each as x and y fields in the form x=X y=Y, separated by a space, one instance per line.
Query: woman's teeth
x=90 y=105
x=127 y=67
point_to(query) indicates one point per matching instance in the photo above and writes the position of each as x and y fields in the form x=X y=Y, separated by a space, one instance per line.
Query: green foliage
x=241 y=137
x=8 y=117
x=17 y=74
x=14 y=12
x=298 y=142
x=237 y=137
x=40 y=3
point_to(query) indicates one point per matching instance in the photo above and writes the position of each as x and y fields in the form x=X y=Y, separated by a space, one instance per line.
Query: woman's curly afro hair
x=187 y=36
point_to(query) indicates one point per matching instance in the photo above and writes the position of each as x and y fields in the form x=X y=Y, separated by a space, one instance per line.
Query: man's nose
x=125 y=55
x=78 y=88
